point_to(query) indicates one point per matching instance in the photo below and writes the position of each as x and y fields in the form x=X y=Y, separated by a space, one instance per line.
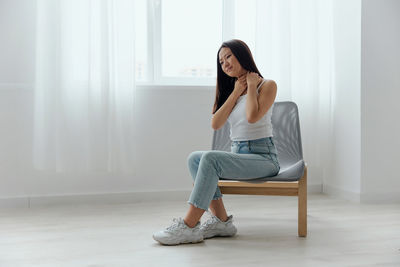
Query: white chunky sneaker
x=215 y=227
x=179 y=233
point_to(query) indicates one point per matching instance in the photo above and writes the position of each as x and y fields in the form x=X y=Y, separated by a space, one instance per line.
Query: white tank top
x=241 y=129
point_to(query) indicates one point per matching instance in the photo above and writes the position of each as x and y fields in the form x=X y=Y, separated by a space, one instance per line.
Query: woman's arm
x=256 y=107
x=219 y=118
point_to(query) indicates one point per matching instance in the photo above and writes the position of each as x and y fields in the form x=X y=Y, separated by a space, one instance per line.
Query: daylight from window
x=190 y=38
x=184 y=44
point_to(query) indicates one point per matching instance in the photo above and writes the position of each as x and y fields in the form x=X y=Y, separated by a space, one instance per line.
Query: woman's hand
x=240 y=85
x=253 y=79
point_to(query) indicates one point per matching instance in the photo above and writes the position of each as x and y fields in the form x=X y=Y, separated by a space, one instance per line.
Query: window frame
x=154 y=54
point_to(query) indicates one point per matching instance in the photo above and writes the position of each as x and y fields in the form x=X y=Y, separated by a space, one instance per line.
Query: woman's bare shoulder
x=268 y=83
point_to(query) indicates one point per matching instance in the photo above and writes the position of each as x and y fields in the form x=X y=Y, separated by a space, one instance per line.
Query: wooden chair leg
x=302 y=200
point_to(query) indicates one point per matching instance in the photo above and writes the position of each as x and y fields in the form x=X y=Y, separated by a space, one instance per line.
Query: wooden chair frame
x=297 y=188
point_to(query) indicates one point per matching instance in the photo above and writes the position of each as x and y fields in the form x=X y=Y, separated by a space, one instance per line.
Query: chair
x=292 y=177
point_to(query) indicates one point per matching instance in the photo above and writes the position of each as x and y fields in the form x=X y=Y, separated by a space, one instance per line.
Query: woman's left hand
x=252 y=80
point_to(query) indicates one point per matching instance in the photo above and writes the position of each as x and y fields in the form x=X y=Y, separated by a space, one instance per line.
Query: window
x=245 y=22
x=177 y=41
x=190 y=38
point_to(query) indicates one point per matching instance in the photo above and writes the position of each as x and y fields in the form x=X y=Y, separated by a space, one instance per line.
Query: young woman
x=245 y=100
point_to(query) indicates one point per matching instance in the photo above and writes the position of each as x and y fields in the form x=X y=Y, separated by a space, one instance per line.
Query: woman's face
x=229 y=63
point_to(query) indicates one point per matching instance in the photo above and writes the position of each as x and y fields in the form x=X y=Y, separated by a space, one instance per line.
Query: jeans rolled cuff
x=197 y=206
x=216 y=198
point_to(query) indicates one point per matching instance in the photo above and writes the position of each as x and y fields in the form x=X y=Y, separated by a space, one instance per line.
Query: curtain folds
x=85 y=88
x=294 y=45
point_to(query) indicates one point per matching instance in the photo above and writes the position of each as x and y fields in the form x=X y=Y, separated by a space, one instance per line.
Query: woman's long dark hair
x=225 y=83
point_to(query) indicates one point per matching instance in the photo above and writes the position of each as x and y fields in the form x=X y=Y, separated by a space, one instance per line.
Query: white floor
x=340 y=233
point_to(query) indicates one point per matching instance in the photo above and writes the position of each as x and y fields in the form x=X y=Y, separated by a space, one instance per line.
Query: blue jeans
x=247 y=160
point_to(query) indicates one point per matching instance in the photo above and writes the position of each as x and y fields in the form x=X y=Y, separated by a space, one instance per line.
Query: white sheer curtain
x=84 y=93
x=294 y=46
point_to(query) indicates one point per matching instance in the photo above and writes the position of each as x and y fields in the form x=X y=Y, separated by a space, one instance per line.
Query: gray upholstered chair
x=292 y=178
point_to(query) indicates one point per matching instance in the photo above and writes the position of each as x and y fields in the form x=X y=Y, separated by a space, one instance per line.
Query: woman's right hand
x=240 y=85
x=221 y=115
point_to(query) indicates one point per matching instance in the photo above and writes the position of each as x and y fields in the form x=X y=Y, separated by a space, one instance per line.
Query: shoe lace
x=210 y=222
x=177 y=222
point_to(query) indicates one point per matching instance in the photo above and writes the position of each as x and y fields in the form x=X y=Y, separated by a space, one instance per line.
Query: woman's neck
x=242 y=74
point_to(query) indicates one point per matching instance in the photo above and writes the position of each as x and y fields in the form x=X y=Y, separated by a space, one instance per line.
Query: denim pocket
x=271 y=146
x=259 y=148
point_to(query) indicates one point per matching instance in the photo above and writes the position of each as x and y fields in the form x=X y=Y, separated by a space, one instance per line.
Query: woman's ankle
x=190 y=225
x=223 y=218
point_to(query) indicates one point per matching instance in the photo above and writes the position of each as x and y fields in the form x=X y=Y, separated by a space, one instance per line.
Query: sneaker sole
x=174 y=243
x=212 y=234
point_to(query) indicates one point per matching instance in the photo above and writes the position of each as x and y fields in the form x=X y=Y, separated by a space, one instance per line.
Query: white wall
x=17 y=41
x=16 y=76
x=380 y=82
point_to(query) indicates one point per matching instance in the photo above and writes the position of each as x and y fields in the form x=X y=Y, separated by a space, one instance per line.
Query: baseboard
x=104 y=198
x=340 y=193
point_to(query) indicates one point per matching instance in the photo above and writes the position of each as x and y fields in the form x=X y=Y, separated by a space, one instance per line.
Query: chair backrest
x=286 y=132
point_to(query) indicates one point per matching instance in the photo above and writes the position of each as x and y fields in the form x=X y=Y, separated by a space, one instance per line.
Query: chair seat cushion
x=288 y=174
